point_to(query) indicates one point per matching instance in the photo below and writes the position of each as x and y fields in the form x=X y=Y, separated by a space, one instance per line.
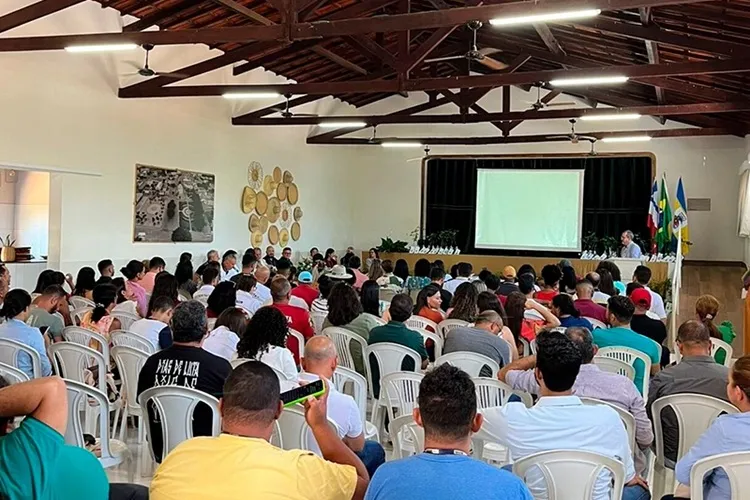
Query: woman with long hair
x=165 y=285
x=464 y=303
x=15 y=311
x=568 y=281
x=185 y=276
x=401 y=270
x=564 y=309
x=330 y=258
x=376 y=273
x=488 y=301
x=519 y=325
x=606 y=283
x=99 y=319
x=707 y=308
x=264 y=340
x=372 y=257
x=421 y=276
x=85 y=283
x=134 y=272
x=223 y=297
x=223 y=339
x=428 y=304
x=370 y=298
x=614 y=271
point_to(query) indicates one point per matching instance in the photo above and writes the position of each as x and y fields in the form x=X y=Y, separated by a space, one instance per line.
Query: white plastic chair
x=295 y=434
x=572 y=474
x=130 y=339
x=491 y=392
x=126 y=318
x=10 y=350
x=387 y=294
x=470 y=362
x=418 y=322
x=113 y=452
x=81 y=302
x=629 y=356
x=736 y=466
x=282 y=378
x=129 y=362
x=343 y=339
x=174 y=406
x=717 y=344
x=437 y=340
x=532 y=347
x=300 y=341
x=12 y=374
x=401 y=392
x=407 y=437
x=346 y=378
x=595 y=322
x=449 y=324
x=627 y=419
x=613 y=365
x=318 y=318
x=83 y=337
x=526 y=346
x=79 y=313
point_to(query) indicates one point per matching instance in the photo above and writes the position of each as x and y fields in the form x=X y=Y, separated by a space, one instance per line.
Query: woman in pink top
x=134 y=273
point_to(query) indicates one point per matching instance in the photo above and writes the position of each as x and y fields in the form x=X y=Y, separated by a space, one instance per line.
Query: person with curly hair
x=551 y=274
x=222 y=298
x=264 y=340
x=464 y=303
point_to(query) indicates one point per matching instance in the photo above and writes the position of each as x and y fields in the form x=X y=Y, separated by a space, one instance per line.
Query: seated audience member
x=523 y=325
x=265 y=340
x=345 y=260
x=305 y=290
x=286 y=258
x=598 y=296
x=270 y=258
x=642 y=275
x=242 y=460
x=222 y=298
x=99 y=319
x=228 y=265
x=314 y=251
x=222 y=340
x=437 y=275
x=421 y=276
x=615 y=275
x=298 y=318
x=527 y=286
x=396 y=332
x=375 y=272
x=483 y=338
x=585 y=302
x=463 y=271
x=106 y=268
x=492 y=283
x=372 y=256
x=591 y=382
x=85 y=282
x=43 y=309
x=607 y=284
x=488 y=301
x=359 y=277
x=185 y=364
x=551 y=275
x=246 y=299
x=248 y=266
x=464 y=303
x=133 y=272
x=563 y=307
x=155 y=328
x=568 y=280
x=401 y=270
x=370 y=299
x=619 y=313
x=15 y=311
x=392 y=279
x=212 y=258
x=330 y=257
x=428 y=303
x=560 y=420
x=262 y=292
x=651 y=328
x=320 y=304
x=727 y=434
x=125 y=302
x=508 y=283
x=165 y=285
x=184 y=274
x=320 y=361
x=707 y=308
x=696 y=373
x=155 y=266
x=447 y=410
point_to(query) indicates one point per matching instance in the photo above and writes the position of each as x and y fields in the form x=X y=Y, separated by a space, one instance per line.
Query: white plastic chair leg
x=123 y=424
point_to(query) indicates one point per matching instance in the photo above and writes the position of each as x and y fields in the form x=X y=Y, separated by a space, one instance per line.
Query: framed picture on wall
x=173 y=205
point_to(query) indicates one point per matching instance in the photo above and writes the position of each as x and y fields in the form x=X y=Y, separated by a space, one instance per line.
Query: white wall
x=31 y=221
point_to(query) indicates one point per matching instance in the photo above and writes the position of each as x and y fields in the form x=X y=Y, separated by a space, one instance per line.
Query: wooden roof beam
x=33 y=12
x=652 y=50
x=373 y=50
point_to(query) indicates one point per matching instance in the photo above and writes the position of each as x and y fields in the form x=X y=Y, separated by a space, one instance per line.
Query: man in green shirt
x=43 y=309
x=396 y=332
x=619 y=313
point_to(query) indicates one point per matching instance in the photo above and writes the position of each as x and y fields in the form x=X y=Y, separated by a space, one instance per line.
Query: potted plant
x=387 y=245
x=8 y=252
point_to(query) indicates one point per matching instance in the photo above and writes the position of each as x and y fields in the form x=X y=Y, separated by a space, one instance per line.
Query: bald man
x=585 y=304
x=262 y=292
x=320 y=361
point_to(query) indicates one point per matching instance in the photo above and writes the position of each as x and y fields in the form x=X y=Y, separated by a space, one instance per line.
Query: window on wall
x=744 y=208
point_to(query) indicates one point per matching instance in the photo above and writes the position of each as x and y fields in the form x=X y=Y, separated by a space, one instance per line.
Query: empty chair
x=470 y=362
x=407 y=437
x=595 y=322
x=12 y=350
x=348 y=381
x=735 y=465
x=12 y=374
x=175 y=407
x=418 y=322
x=401 y=392
x=630 y=356
x=613 y=365
x=449 y=324
x=130 y=339
x=126 y=318
x=718 y=344
x=349 y=345
x=129 y=362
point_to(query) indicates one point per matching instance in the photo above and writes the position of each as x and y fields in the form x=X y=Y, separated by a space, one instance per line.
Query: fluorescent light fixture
x=628 y=138
x=335 y=124
x=105 y=47
x=250 y=95
x=593 y=80
x=393 y=144
x=544 y=18
x=612 y=117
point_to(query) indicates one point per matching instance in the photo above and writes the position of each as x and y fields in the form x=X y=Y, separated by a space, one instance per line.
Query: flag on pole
x=664 y=230
x=652 y=222
x=680 y=223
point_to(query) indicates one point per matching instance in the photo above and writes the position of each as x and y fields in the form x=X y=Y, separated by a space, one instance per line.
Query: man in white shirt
x=245 y=294
x=262 y=292
x=210 y=280
x=642 y=275
x=229 y=265
x=464 y=271
x=150 y=328
x=630 y=249
x=320 y=361
x=560 y=421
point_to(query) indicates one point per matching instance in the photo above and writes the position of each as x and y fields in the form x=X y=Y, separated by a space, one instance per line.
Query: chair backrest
x=532 y=347
x=629 y=356
x=343 y=340
x=717 y=344
x=282 y=377
x=470 y=362
x=613 y=365
x=126 y=318
x=389 y=358
x=627 y=418
x=300 y=341
x=82 y=395
x=491 y=392
x=129 y=362
x=418 y=322
x=79 y=302
x=695 y=414
x=436 y=339
x=83 y=337
x=12 y=374
x=449 y=324
x=387 y=294
x=402 y=390
x=736 y=466
x=175 y=406
x=572 y=474
x=295 y=434
x=404 y=428
x=346 y=378
x=526 y=346
x=10 y=350
x=130 y=339
x=80 y=312
x=70 y=360
x=595 y=322
x=318 y=318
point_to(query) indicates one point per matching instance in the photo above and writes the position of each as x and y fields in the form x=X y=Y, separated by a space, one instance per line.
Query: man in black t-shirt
x=185 y=364
x=648 y=327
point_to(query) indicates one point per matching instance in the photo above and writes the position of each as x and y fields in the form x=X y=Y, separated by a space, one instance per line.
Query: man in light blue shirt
x=16 y=311
x=630 y=249
x=445 y=471
x=560 y=421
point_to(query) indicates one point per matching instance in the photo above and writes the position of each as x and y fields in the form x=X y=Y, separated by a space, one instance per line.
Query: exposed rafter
x=32 y=12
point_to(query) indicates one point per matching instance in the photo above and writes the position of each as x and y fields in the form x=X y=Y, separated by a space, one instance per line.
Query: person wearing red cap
x=649 y=327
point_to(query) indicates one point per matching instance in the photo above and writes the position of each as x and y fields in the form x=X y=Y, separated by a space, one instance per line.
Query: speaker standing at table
x=630 y=249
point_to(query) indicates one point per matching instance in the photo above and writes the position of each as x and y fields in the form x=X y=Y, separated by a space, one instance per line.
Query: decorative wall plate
x=298 y=213
x=273 y=235
x=295 y=231
x=263 y=224
x=274 y=210
x=277 y=175
x=248 y=200
x=288 y=177
x=292 y=194
x=281 y=191
x=254 y=223
x=283 y=237
x=256 y=239
x=255 y=175
x=261 y=203
x=269 y=186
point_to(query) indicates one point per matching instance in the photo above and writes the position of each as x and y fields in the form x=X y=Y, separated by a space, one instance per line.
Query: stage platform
x=495 y=263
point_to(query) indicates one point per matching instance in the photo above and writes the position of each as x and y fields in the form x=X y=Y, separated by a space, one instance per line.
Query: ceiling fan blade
x=568 y=103
x=488 y=51
x=309 y=115
x=130 y=74
x=492 y=63
x=567 y=137
x=173 y=75
x=449 y=58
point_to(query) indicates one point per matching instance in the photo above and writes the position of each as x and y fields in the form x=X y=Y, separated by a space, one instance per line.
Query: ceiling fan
x=287 y=113
x=474 y=53
x=572 y=136
x=539 y=104
x=426 y=154
x=593 y=151
x=147 y=71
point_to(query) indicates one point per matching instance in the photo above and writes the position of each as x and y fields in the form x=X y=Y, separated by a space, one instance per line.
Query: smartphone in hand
x=300 y=394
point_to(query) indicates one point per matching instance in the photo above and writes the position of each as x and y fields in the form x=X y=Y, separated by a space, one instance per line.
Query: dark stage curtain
x=616 y=194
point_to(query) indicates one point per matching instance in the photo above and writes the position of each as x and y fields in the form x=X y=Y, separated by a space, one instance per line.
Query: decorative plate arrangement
x=271 y=200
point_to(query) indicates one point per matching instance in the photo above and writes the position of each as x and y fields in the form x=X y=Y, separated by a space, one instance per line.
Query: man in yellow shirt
x=241 y=463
